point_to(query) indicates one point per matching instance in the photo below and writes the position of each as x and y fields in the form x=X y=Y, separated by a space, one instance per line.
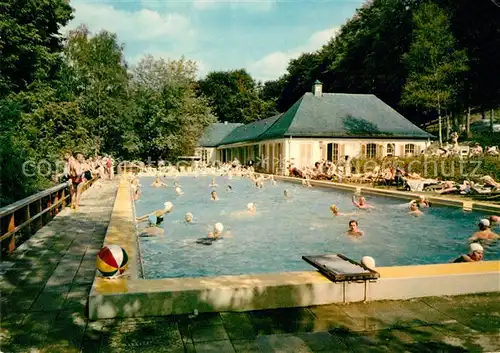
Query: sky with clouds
x=258 y=35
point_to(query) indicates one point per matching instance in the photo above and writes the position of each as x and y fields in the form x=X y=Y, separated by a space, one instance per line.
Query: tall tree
x=29 y=41
x=169 y=117
x=101 y=83
x=234 y=96
x=434 y=63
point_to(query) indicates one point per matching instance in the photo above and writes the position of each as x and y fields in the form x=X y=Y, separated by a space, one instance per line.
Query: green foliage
x=170 y=118
x=235 y=97
x=29 y=42
x=434 y=63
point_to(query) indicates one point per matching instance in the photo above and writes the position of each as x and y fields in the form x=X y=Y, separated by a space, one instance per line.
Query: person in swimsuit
x=414 y=211
x=75 y=178
x=335 y=211
x=361 y=204
x=213 y=195
x=354 y=229
x=485 y=232
x=475 y=254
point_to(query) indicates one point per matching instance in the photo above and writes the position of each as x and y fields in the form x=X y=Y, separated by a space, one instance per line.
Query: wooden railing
x=25 y=217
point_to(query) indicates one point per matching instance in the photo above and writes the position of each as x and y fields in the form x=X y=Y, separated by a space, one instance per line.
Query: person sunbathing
x=490 y=182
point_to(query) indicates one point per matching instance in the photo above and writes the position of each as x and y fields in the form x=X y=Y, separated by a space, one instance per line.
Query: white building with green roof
x=326 y=126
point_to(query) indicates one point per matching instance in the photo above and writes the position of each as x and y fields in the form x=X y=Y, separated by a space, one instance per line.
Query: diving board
x=340 y=268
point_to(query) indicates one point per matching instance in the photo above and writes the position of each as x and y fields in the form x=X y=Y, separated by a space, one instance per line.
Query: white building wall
x=207 y=154
x=306 y=151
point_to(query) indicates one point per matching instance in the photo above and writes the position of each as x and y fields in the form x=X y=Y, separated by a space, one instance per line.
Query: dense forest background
x=436 y=60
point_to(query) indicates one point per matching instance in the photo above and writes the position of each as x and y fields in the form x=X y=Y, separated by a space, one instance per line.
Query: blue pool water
x=283 y=230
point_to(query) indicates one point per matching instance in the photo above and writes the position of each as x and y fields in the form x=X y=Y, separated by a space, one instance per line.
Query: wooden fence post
x=11 y=227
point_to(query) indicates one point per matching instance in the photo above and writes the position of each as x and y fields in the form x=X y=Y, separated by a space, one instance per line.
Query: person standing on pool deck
x=361 y=204
x=475 y=254
x=354 y=229
x=484 y=233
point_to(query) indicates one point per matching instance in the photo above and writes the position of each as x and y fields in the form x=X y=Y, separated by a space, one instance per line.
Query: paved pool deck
x=45 y=285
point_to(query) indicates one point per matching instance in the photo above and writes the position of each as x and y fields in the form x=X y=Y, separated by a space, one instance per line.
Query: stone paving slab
x=44 y=290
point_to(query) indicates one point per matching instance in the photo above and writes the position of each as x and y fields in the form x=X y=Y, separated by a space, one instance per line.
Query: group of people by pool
x=477 y=242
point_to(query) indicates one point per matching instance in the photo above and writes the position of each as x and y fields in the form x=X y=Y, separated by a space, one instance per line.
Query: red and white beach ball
x=112 y=260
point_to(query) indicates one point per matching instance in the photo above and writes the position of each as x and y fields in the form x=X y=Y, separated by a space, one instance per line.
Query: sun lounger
x=339 y=268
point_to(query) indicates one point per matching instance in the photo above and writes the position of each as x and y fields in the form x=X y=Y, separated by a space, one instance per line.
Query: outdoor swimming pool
x=284 y=229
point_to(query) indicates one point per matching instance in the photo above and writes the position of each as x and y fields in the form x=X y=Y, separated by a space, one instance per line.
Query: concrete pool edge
x=131 y=296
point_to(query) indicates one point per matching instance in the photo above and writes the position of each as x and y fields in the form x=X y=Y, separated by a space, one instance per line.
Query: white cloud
x=274 y=65
x=255 y=5
x=141 y=25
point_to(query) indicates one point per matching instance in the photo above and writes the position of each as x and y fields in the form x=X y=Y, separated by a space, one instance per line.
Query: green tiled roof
x=343 y=115
x=213 y=134
x=249 y=132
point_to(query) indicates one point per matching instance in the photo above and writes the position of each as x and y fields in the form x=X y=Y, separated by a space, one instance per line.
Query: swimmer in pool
x=354 y=229
x=286 y=193
x=213 y=184
x=167 y=208
x=179 y=191
x=423 y=202
x=177 y=184
x=484 y=233
x=213 y=195
x=361 y=204
x=414 y=211
x=229 y=188
x=188 y=217
x=475 y=254
x=152 y=230
x=158 y=183
x=251 y=207
x=335 y=211
x=494 y=220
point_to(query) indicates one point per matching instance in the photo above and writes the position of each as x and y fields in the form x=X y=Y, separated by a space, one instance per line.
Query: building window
x=332 y=152
x=390 y=150
x=371 y=150
x=409 y=149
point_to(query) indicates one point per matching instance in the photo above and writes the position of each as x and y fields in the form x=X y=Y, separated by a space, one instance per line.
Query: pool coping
x=132 y=296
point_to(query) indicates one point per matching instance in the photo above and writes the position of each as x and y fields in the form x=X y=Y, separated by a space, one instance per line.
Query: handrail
x=6 y=210
x=44 y=206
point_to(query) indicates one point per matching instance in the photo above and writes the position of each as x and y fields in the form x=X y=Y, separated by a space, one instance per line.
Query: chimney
x=318 y=89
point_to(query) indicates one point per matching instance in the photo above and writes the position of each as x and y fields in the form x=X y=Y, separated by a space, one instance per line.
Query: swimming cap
x=188 y=215
x=250 y=205
x=369 y=262
x=332 y=207
x=168 y=206
x=152 y=219
x=484 y=222
x=178 y=190
x=219 y=227
x=475 y=247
